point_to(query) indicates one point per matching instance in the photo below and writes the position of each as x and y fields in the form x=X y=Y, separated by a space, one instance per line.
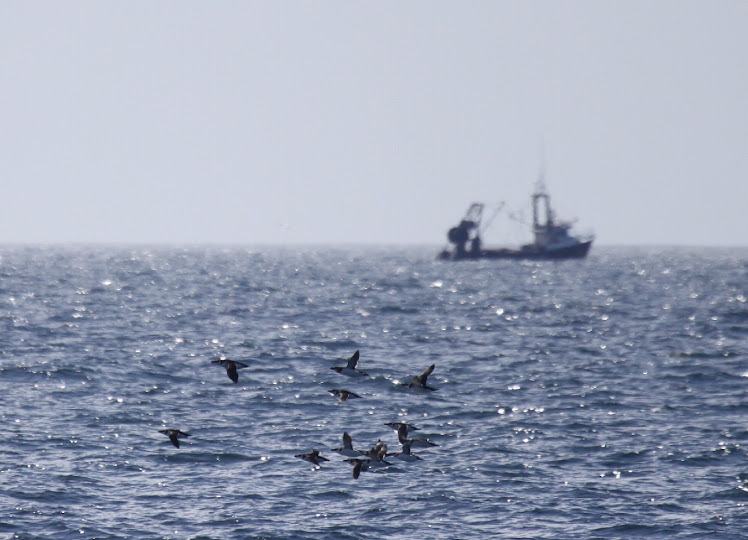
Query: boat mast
x=541 y=227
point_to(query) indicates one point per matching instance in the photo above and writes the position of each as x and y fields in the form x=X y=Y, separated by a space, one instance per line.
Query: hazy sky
x=295 y=122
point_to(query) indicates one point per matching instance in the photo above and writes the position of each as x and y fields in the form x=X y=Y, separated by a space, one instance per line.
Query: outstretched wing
x=402 y=433
x=352 y=361
x=231 y=371
x=425 y=375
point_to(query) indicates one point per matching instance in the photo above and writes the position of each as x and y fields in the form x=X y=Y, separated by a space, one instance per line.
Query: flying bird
x=416 y=442
x=405 y=455
x=174 y=435
x=396 y=426
x=419 y=381
x=376 y=456
x=375 y=459
x=231 y=367
x=343 y=395
x=359 y=465
x=347 y=448
x=312 y=457
x=350 y=369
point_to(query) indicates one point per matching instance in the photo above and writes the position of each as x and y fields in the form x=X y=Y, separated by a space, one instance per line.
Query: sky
x=352 y=122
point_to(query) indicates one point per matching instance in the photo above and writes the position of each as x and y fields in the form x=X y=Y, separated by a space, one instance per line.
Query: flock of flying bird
x=376 y=457
x=362 y=460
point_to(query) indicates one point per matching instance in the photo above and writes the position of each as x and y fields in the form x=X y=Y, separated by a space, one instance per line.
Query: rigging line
x=518 y=217
x=495 y=213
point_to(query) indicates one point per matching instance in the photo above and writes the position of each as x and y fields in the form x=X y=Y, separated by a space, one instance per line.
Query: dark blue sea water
x=603 y=398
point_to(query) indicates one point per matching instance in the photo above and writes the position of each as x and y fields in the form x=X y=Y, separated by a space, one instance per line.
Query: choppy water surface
x=603 y=398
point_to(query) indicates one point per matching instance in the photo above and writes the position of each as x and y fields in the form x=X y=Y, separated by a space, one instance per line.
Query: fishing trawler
x=553 y=239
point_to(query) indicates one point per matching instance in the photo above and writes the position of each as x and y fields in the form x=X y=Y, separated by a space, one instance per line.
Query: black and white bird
x=396 y=426
x=343 y=395
x=359 y=466
x=419 y=381
x=347 y=448
x=312 y=457
x=174 y=435
x=405 y=454
x=350 y=369
x=376 y=456
x=373 y=459
x=416 y=442
x=231 y=367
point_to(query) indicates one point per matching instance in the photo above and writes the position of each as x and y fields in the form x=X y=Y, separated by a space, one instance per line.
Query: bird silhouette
x=350 y=369
x=231 y=367
x=174 y=435
x=312 y=457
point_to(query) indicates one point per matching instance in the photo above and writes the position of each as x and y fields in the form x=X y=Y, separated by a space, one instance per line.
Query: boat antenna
x=540 y=184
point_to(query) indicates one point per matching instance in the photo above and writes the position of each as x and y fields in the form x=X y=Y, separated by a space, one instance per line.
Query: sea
x=598 y=398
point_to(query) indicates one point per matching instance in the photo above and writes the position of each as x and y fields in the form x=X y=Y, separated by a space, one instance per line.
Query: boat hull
x=528 y=252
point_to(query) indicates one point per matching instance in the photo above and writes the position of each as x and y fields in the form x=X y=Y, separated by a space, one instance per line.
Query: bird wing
x=425 y=375
x=375 y=450
x=353 y=360
x=382 y=452
x=231 y=371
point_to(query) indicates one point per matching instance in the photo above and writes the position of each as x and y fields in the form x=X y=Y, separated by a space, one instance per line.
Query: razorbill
x=350 y=369
x=312 y=457
x=417 y=442
x=231 y=367
x=405 y=455
x=343 y=394
x=347 y=448
x=419 y=381
x=376 y=456
x=396 y=426
x=174 y=435
x=359 y=465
